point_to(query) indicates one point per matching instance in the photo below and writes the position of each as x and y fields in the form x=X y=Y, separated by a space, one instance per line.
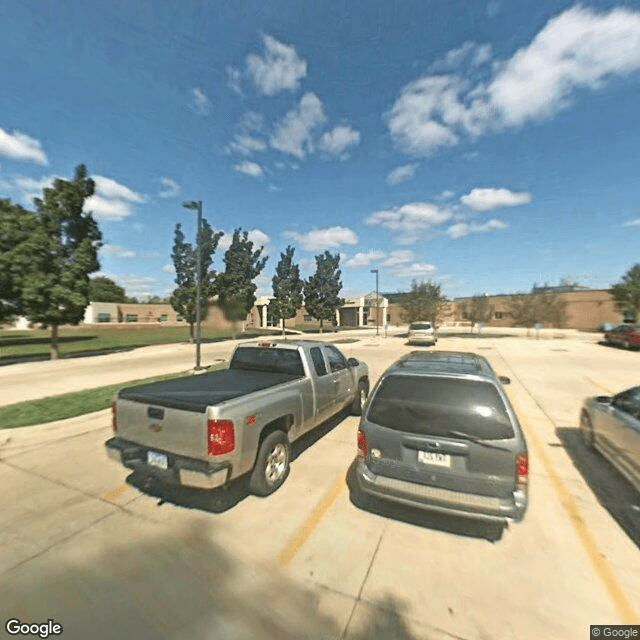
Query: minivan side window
x=318 y=361
x=337 y=361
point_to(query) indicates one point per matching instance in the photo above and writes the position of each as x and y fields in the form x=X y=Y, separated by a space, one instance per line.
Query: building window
x=131 y=317
x=499 y=315
x=465 y=315
x=104 y=317
x=164 y=317
x=309 y=319
x=180 y=318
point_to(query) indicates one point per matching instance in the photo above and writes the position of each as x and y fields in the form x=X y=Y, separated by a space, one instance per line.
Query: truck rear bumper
x=180 y=470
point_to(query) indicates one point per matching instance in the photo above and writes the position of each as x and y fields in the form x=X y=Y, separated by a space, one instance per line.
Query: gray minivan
x=440 y=434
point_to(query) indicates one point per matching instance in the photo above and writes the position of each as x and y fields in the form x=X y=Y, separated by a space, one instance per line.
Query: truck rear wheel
x=272 y=464
x=361 y=398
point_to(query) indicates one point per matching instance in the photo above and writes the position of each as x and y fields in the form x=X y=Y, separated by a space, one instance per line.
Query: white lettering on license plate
x=155 y=459
x=437 y=459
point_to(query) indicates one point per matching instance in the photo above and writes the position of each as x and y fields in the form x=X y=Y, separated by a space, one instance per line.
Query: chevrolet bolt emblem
x=155 y=427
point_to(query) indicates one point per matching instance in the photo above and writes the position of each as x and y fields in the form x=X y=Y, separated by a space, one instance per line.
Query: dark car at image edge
x=439 y=435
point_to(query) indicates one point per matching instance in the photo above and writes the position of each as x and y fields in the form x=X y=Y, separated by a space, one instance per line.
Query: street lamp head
x=191 y=204
x=374 y=271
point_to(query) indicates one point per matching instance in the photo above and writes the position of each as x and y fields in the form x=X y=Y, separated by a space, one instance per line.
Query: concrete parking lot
x=109 y=557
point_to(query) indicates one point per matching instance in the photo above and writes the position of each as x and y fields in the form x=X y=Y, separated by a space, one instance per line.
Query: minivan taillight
x=522 y=470
x=114 y=422
x=221 y=437
x=362 y=444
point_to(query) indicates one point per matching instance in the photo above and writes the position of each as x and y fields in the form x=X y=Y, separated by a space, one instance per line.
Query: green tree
x=546 y=308
x=478 y=309
x=425 y=301
x=16 y=225
x=287 y=288
x=627 y=293
x=234 y=286
x=185 y=260
x=103 y=289
x=63 y=251
x=322 y=289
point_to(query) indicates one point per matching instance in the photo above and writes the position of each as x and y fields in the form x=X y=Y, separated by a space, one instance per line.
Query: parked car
x=422 y=333
x=624 y=335
x=204 y=431
x=611 y=425
x=439 y=434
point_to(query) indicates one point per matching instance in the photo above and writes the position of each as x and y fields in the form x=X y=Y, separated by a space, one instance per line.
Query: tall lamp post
x=196 y=205
x=377 y=304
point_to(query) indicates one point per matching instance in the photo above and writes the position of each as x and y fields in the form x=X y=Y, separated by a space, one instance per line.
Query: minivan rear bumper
x=426 y=498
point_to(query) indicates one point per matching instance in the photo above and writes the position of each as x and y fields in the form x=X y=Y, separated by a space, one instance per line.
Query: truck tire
x=361 y=397
x=272 y=464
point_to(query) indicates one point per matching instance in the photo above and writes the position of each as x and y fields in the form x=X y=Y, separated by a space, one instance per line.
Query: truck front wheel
x=272 y=464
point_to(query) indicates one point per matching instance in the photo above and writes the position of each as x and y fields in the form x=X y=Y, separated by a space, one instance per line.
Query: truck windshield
x=268 y=359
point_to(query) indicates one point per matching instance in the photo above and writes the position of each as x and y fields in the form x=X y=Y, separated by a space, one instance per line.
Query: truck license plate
x=437 y=459
x=155 y=459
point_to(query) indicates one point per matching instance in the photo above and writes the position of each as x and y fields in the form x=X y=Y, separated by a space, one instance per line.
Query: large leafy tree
x=287 y=288
x=16 y=226
x=185 y=260
x=103 y=289
x=425 y=301
x=544 y=307
x=235 y=285
x=322 y=289
x=478 y=309
x=63 y=251
x=626 y=293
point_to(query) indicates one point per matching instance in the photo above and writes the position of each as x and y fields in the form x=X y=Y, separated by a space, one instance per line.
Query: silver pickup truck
x=204 y=431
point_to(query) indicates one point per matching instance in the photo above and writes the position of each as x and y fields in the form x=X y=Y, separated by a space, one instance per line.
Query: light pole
x=196 y=205
x=377 y=304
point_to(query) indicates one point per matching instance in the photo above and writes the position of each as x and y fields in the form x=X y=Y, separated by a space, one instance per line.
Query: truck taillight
x=362 y=444
x=221 y=437
x=522 y=470
x=114 y=422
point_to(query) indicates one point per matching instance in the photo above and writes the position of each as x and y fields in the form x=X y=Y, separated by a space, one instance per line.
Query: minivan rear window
x=420 y=326
x=436 y=406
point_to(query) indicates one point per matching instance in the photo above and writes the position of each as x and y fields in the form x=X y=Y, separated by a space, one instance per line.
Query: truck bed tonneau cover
x=196 y=393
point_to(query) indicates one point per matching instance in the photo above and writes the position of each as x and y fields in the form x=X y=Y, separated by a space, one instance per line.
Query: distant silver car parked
x=612 y=426
x=422 y=333
x=439 y=434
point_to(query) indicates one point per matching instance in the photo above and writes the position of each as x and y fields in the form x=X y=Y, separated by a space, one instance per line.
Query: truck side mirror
x=353 y=362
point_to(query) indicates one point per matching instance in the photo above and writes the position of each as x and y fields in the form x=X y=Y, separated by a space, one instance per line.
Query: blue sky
x=486 y=146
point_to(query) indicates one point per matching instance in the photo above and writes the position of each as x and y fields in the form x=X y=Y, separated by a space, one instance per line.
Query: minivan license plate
x=437 y=459
x=157 y=459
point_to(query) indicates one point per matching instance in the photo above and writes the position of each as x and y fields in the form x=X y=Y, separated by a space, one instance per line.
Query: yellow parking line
x=597 y=384
x=116 y=493
x=305 y=531
x=604 y=571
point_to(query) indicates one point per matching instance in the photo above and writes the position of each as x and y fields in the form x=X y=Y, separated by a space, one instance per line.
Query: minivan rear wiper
x=483 y=443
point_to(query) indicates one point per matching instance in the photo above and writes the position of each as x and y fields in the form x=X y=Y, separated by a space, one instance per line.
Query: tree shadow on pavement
x=609 y=487
x=221 y=500
x=177 y=586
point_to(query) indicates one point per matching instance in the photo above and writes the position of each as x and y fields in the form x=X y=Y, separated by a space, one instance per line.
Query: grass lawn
x=35 y=343
x=70 y=405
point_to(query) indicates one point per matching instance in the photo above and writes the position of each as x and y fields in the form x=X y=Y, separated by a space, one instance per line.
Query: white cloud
x=30 y=188
x=293 y=135
x=200 y=104
x=118 y=252
x=402 y=174
x=235 y=77
x=410 y=220
x=246 y=144
x=490 y=199
x=415 y=270
x=252 y=121
x=168 y=268
x=361 y=260
x=19 y=146
x=111 y=189
x=252 y=169
x=171 y=188
x=577 y=50
x=446 y=195
x=462 y=229
x=336 y=142
x=258 y=237
x=279 y=70
x=321 y=239
x=105 y=209
x=633 y=223
x=398 y=259
x=469 y=53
